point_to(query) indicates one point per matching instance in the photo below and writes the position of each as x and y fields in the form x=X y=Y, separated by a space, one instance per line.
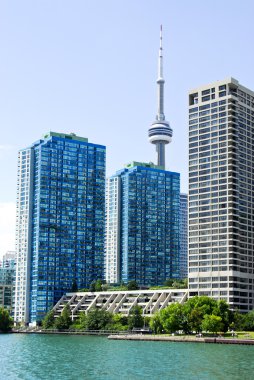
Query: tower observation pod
x=160 y=133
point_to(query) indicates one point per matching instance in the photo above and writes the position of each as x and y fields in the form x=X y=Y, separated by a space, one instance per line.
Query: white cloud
x=7 y=227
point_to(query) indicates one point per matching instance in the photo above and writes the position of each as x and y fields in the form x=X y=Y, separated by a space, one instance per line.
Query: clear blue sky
x=90 y=67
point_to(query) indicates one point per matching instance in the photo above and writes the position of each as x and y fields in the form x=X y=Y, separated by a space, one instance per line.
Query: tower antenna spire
x=160 y=133
x=160 y=82
x=161 y=56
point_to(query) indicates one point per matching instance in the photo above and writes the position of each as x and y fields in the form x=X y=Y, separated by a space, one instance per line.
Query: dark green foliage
x=191 y=316
x=64 y=321
x=183 y=283
x=238 y=321
x=92 y=287
x=169 y=282
x=49 y=320
x=116 y=288
x=6 y=322
x=98 y=319
x=135 y=319
x=119 y=323
x=195 y=319
x=176 y=284
x=96 y=286
x=248 y=321
x=82 y=320
x=222 y=310
x=196 y=308
x=132 y=285
x=156 y=324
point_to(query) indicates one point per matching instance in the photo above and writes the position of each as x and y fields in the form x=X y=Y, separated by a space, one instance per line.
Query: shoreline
x=98 y=333
x=146 y=337
x=183 y=339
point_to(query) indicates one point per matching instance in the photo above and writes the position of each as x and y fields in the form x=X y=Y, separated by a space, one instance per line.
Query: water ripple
x=53 y=357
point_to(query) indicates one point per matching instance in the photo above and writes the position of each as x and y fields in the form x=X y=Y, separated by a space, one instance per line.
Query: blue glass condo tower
x=143 y=211
x=60 y=221
x=148 y=225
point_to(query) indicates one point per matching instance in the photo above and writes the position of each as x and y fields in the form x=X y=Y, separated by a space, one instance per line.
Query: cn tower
x=160 y=133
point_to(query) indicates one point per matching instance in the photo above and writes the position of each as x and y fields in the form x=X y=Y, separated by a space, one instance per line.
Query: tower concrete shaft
x=160 y=132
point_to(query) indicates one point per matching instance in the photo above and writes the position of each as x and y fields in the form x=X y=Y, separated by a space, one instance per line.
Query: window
x=222 y=93
x=193 y=99
x=195 y=109
x=205 y=107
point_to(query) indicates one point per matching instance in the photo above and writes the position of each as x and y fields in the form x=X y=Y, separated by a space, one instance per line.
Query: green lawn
x=241 y=335
x=228 y=335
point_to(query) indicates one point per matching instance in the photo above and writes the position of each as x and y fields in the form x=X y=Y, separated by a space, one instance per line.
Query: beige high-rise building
x=221 y=193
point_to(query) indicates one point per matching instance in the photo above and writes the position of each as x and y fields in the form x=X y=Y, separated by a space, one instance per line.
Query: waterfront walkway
x=186 y=338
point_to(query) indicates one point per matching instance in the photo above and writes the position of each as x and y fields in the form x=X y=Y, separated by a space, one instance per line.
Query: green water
x=53 y=357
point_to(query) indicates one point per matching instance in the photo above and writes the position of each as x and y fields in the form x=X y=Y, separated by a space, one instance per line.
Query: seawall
x=191 y=339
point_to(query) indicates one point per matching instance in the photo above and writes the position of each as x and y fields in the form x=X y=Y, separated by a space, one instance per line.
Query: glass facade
x=65 y=220
x=7 y=280
x=7 y=283
x=149 y=224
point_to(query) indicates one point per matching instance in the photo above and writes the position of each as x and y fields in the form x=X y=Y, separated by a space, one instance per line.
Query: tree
x=195 y=319
x=177 y=284
x=172 y=317
x=98 y=319
x=49 y=320
x=212 y=323
x=119 y=322
x=6 y=322
x=180 y=284
x=248 y=321
x=195 y=309
x=238 y=321
x=156 y=324
x=98 y=286
x=82 y=320
x=132 y=285
x=105 y=287
x=64 y=321
x=95 y=286
x=222 y=310
x=203 y=303
x=135 y=319
x=92 y=287
x=169 y=282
